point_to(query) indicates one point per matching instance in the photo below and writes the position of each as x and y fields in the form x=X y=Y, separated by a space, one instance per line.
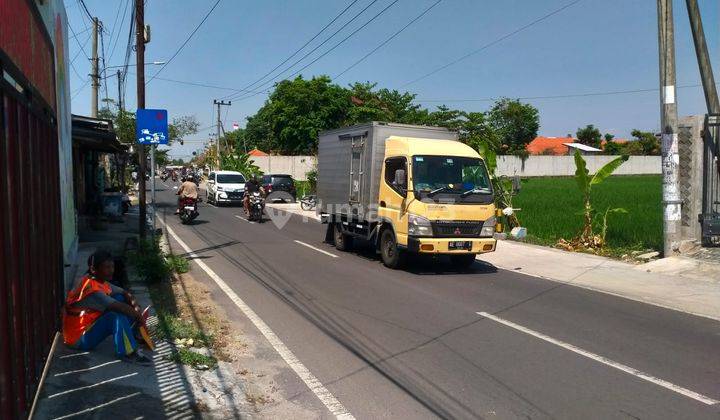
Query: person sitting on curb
x=95 y=309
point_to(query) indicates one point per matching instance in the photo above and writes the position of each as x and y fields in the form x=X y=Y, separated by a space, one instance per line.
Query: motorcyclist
x=252 y=185
x=187 y=189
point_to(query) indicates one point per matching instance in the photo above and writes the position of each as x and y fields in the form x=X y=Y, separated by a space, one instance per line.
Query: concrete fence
x=565 y=165
x=297 y=166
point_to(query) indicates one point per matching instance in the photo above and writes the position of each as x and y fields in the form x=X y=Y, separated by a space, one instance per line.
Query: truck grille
x=454 y=228
x=235 y=195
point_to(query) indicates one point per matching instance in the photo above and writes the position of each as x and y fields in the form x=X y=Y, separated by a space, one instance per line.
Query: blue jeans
x=110 y=323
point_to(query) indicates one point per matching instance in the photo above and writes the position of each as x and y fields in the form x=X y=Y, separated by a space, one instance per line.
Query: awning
x=95 y=134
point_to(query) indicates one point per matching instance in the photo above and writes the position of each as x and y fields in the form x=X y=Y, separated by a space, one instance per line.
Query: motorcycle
x=164 y=176
x=188 y=209
x=309 y=202
x=174 y=177
x=256 y=207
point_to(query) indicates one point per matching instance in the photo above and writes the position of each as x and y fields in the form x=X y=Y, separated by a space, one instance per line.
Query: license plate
x=189 y=208
x=460 y=245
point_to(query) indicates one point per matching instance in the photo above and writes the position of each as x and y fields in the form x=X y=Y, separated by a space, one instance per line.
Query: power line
x=102 y=44
x=78 y=42
x=272 y=79
x=573 y=95
x=119 y=28
x=336 y=45
x=206 y=85
x=186 y=41
x=387 y=40
x=490 y=44
x=304 y=45
x=84 y=6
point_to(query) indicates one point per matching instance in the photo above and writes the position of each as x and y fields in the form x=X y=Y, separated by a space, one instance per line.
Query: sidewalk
x=685 y=284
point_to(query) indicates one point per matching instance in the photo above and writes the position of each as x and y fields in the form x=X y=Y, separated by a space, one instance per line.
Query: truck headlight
x=419 y=226
x=488 y=228
x=219 y=188
x=223 y=195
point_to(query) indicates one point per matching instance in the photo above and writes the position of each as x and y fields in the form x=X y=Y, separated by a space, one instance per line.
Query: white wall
x=565 y=165
x=297 y=166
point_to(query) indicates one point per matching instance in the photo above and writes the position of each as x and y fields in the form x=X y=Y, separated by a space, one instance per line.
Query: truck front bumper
x=442 y=245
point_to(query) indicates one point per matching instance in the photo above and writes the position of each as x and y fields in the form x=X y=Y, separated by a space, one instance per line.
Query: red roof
x=618 y=141
x=256 y=152
x=544 y=145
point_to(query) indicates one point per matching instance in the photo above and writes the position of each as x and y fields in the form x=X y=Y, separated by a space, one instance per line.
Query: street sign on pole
x=152 y=128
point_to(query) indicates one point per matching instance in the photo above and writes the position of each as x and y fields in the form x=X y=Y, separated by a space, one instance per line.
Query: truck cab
x=435 y=198
x=405 y=189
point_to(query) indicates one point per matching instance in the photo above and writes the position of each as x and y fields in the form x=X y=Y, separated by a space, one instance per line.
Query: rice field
x=551 y=209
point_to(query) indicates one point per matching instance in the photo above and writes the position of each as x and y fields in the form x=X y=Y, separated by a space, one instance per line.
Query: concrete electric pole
x=217 y=140
x=95 y=76
x=669 y=122
x=140 y=61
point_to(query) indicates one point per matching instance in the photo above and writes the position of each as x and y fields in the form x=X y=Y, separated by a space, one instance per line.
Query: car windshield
x=450 y=175
x=282 y=180
x=230 y=179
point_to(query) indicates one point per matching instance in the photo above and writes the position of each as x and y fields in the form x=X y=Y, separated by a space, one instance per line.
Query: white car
x=225 y=187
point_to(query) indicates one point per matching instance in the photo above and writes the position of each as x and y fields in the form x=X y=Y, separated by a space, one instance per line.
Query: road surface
x=430 y=342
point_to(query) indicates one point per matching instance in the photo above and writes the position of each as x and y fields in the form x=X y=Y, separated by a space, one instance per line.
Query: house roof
x=95 y=134
x=256 y=152
x=542 y=145
x=583 y=147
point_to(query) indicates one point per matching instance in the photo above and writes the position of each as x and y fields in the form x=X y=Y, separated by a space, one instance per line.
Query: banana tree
x=502 y=186
x=585 y=183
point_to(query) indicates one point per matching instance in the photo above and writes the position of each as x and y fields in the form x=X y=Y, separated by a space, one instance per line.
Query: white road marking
x=87 y=369
x=316 y=249
x=92 y=386
x=328 y=399
x=74 y=355
x=627 y=369
x=244 y=219
x=87 y=410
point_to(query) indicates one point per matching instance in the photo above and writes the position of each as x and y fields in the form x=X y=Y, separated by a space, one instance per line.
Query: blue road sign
x=151 y=126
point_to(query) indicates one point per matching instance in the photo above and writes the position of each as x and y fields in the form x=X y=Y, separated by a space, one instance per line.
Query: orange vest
x=77 y=320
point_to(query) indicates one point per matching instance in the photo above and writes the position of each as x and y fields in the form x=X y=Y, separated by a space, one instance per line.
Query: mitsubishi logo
x=457 y=231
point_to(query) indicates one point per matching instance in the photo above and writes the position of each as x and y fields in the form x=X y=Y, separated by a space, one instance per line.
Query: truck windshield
x=451 y=177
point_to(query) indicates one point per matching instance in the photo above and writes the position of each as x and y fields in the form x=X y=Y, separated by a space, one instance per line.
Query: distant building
x=257 y=153
x=584 y=149
x=549 y=145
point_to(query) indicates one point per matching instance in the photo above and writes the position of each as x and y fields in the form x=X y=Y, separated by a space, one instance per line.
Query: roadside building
x=553 y=146
x=37 y=212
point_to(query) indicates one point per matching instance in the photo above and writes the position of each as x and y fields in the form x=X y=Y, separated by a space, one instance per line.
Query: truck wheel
x=343 y=242
x=462 y=261
x=392 y=257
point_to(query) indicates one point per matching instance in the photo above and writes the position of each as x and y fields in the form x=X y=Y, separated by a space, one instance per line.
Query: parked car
x=225 y=187
x=279 y=187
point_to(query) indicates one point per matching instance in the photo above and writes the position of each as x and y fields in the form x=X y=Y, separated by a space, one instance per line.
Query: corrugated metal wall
x=31 y=256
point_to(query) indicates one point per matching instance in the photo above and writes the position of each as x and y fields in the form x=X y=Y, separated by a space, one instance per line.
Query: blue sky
x=592 y=46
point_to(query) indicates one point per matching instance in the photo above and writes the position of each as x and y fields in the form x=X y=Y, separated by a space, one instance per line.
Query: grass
x=550 y=208
x=171 y=325
x=189 y=357
x=177 y=263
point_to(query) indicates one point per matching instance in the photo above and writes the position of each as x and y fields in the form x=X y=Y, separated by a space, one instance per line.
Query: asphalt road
x=411 y=344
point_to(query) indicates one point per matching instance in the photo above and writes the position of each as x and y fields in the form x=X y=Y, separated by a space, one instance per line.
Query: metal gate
x=357 y=152
x=710 y=217
x=30 y=239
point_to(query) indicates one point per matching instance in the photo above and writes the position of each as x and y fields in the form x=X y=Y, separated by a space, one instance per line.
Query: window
x=230 y=179
x=392 y=165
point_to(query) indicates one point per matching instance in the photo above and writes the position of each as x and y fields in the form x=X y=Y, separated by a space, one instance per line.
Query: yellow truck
x=405 y=189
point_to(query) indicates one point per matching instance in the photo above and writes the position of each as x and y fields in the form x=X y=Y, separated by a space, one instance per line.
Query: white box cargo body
x=350 y=162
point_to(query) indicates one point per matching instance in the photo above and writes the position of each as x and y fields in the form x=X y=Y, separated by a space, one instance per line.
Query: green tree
x=516 y=124
x=589 y=136
x=181 y=127
x=649 y=144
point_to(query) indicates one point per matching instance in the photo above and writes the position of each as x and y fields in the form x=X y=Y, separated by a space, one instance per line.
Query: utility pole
x=219 y=123
x=140 y=60
x=703 y=58
x=95 y=76
x=669 y=122
x=119 y=80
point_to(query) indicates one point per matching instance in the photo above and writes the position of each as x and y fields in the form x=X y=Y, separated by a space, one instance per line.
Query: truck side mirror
x=400 y=179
